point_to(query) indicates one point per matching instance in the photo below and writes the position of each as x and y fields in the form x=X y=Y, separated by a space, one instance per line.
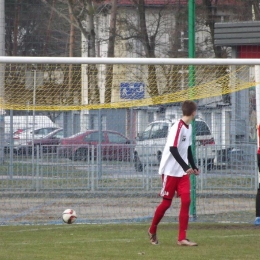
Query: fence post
x=37 y=168
x=11 y=146
x=99 y=147
x=92 y=168
x=147 y=169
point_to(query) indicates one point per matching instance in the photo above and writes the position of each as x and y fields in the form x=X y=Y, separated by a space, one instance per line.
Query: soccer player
x=175 y=173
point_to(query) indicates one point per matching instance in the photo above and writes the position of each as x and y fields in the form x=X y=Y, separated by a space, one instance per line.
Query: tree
x=83 y=12
x=111 y=51
x=31 y=29
x=138 y=29
x=37 y=30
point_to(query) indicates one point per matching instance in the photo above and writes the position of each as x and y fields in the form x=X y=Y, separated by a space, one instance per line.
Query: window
x=146 y=133
x=94 y=137
x=103 y=122
x=159 y=130
x=39 y=132
x=44 y=131
x=116 y=138
x=58 y=135
x=150 y=117
x=93 y=124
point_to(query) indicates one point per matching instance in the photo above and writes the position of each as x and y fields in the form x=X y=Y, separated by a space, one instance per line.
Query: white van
x=150 y=144
x=26 y=122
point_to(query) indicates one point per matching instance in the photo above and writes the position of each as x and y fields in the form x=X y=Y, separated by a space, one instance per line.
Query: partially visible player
x=257 y=220
x=175 y=173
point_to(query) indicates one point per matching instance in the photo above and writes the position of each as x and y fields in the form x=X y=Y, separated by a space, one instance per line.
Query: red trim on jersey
x=187 y=126
x=175 y=142
x=258 y=130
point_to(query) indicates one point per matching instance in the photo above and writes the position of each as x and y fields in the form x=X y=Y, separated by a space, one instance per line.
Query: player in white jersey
x=175 y=172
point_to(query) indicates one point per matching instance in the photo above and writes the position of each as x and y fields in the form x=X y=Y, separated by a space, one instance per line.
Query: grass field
x=128 y=241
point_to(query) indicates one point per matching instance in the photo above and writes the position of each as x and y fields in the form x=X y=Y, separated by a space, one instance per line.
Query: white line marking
x=246 y=235
x=75 y=241
x=40 y=229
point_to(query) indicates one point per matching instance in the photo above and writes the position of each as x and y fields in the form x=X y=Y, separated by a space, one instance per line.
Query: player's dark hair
x=188 y=107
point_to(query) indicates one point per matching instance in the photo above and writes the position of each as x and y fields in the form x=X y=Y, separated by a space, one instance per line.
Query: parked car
x=7 y=141
x=49 y=142
x=27 y=121
x=9 y=138
x=20 y=130
x=150 y=144
x=22 y=138
x=237 y=155
x=81 y=146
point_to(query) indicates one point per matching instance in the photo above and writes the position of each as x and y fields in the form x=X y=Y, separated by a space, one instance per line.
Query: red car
x=82 y=146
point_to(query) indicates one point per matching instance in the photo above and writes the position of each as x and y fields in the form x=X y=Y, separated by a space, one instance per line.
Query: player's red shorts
x=172 y=184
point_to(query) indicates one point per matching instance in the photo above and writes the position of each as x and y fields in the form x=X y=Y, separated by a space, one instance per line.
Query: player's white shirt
x=180 y=136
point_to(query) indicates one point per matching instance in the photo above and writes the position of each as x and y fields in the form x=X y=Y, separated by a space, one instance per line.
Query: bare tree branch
x=78 y=18
x=58 y=12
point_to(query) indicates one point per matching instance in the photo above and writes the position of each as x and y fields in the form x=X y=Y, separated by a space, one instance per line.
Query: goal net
x=88 y=134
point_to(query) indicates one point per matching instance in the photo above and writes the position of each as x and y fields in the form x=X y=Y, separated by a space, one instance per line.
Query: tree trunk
x=16 y=26
x=89 y=33
x=93 y=89
x=210 y=21
x=256 y=6
x=149 y=48
x=48 y=28
x=111 y=52
x=71 y=48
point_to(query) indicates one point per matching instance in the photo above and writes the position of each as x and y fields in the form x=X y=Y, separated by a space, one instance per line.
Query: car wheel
x=138 y=164
x=81 y=155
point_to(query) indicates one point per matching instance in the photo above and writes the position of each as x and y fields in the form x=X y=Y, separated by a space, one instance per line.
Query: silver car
x=150 y=144
x=21 y=139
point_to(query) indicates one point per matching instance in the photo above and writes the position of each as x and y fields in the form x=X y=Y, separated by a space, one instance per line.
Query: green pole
x=191 y=42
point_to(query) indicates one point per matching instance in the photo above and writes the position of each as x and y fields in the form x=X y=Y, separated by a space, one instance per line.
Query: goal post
x=113 y=176
x=141 y=61
x=257 y=79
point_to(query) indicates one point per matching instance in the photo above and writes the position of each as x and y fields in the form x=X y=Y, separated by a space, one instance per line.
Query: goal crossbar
x=142 y=61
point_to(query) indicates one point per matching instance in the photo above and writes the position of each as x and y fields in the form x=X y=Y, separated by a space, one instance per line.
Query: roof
x=237 y=33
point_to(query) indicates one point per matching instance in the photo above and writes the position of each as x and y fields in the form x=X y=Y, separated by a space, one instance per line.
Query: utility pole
x=191 y=47
x=257 y=94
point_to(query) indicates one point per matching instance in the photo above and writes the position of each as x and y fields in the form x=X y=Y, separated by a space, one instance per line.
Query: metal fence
x=104 y=186
x=88 y=170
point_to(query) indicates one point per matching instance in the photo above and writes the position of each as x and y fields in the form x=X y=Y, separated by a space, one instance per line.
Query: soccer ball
x=69 y=216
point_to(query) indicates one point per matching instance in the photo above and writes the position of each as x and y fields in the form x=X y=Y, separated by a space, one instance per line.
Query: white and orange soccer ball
x=69 y=216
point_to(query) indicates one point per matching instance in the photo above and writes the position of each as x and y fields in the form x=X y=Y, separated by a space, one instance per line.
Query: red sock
x=159 y=213
x=184 y=216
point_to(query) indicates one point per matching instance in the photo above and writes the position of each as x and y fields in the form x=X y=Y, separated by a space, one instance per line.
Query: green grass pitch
x=128 y=241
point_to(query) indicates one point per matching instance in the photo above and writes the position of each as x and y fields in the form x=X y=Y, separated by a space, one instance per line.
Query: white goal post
x=141 y=61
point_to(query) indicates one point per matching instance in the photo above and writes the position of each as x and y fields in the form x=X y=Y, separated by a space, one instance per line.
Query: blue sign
x=132 y=90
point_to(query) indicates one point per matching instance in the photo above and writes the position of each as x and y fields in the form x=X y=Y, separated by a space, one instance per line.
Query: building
x=166 y=22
